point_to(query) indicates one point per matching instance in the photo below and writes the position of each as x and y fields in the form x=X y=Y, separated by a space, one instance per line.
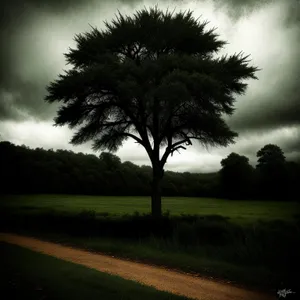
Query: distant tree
x=128 y=165
x=270 y=156
x=25 y=170
x=169 y=187
x=6 y=166
x=236 y=176
x=272 y=170
x=292 y=180
x=152 y=77
x=111 y=161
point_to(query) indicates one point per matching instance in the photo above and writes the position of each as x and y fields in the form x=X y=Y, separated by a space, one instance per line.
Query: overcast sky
x=36 y=33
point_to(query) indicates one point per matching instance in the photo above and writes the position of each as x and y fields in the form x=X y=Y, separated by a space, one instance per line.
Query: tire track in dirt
x=160 y=278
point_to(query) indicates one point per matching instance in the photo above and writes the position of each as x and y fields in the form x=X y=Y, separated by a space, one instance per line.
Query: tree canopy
x=24 y=170
x=270 y=155
x=236 y=176
x=153 y=77
x=272 y=168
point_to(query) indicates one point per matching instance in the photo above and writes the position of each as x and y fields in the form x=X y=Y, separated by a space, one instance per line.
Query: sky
x=36 y=33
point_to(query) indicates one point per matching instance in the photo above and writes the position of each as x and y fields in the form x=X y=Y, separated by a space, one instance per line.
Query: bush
x=275 y=245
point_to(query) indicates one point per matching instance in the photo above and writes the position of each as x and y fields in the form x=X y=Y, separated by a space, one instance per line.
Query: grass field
x=29 y=275
x=257 y=244
x=236 y=210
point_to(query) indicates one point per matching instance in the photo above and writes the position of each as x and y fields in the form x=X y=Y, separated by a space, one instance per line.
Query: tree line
x=273 y=177
x=25 y=170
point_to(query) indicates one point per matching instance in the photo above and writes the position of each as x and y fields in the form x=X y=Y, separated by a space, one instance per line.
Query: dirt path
x=160 y=278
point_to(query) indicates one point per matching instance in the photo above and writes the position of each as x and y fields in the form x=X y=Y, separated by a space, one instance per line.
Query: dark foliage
x=25 y=170
x=273 y=245
x=153 y=77
x=38 y=171
x=274 y=178
x=237 y=177
x=275 y=175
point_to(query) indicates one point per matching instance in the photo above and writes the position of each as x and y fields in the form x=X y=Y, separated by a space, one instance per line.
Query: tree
x=152 y=77
x=293 y=179
x=270 y=156
x=272 y=170
x=236 y=176
x=111 y=161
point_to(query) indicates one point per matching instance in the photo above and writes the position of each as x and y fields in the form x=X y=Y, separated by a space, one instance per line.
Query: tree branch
x=142 y=132
x=178 y=143
x=167 y=127
x=115 y=123
x=168 y=150
x=138 y=140
x=176 y=149
x=171 y=148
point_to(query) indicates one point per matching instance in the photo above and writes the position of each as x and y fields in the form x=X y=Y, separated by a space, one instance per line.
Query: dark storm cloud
x=22 y=91
x=22 y=95
x=55 y=6
x=24 y=101
x=239 y=8
x=280 y=105
x=275 y=108
x=293 y=145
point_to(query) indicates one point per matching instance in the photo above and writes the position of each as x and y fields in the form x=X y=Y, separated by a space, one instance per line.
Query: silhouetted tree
x=293 y=180
x=154 y=78
x=270 y=156
x=111 y=161
x=25 y=170
x=272 y=171
x=237 y=176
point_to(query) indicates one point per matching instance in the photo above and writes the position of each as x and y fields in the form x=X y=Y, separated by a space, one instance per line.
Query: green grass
x=200 y=261
x=238 y=211
x=240 y=248
x=29 y=275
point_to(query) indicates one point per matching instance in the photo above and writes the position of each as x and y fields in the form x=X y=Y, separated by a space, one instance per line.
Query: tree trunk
x=156 y=191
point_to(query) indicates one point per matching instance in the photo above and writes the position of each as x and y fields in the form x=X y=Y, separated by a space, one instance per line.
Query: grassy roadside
x=259 y=255
x=255 y=277
x=31 y=275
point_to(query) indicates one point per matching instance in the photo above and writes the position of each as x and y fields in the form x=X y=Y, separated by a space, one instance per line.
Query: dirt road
x=160 y=278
